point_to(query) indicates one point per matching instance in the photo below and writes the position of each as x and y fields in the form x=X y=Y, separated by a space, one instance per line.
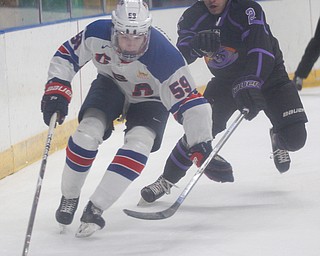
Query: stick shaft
x=52 y=125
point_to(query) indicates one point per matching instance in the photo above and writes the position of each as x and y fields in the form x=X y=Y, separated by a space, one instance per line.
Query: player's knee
x=293 y=137
x=89 y=133
x=140 y=139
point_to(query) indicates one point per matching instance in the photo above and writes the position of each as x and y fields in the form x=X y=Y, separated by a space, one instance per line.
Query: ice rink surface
x=262 y=213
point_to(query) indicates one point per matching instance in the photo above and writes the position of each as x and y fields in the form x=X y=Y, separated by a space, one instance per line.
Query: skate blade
x=143 y=202
x=62 y=229
x=87 y=229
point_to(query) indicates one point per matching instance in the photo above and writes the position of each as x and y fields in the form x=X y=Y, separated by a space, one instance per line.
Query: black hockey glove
x=298 y=82
x=205 y=42
x=247 y=94
x=200 y=152
x=56 y=98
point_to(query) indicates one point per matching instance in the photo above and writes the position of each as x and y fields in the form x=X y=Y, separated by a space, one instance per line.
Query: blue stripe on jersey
x=191 y=104
x=162 y=58
x=180 y=107
x=71 y=56
x=99 y=29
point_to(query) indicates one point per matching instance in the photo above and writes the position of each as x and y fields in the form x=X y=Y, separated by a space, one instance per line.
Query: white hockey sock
x=72 y=182
x=125 y=167
x=109 y=190
x=81 y=151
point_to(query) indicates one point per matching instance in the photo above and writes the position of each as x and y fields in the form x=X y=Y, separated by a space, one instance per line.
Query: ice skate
x=155 y=190
x=91 y=221
x=281 y=157
x=219 y=170
x=65 y=212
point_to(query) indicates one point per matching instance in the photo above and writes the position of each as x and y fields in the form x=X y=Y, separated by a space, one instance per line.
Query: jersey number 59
x=180 y=88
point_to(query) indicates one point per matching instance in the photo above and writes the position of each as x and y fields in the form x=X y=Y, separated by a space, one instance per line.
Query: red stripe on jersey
x=63 y=50
x=192 y=96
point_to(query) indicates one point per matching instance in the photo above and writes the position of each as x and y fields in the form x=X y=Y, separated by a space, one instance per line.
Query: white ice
x=262 y=213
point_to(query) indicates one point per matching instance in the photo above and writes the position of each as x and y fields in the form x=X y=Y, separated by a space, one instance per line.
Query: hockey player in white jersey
x=142 y=77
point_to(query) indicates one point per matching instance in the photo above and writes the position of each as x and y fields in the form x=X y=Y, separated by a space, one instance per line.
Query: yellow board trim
x=31 y=150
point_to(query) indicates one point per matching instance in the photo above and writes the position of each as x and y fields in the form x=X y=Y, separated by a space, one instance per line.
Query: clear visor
x=130 y=46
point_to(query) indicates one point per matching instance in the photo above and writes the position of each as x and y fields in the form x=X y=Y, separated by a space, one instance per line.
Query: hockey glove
x=298 y=82
x=205 y=42
x=200 y=152
x=56 y=98
x=247 y=94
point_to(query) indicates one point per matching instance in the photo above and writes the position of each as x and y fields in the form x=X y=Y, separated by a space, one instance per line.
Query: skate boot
x=66 y=210
x=91 y=221
x=281 y=157
x=156 y=190
x=219 y=170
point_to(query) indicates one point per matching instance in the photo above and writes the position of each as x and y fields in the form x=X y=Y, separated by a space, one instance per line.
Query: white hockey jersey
x=161 y=74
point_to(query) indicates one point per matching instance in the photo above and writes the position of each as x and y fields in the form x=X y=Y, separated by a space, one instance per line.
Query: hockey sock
x=125 y=167
x=177 y=163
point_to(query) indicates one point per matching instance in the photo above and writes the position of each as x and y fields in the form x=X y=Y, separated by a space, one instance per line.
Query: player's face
x=215 y=6
x=131 y=43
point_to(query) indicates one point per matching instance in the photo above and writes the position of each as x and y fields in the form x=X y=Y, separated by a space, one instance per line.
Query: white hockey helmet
x=131 y=29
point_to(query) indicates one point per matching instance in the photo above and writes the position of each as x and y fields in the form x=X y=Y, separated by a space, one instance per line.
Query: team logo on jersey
x=142 y=75
x=102 y=58
x=223 y=58
x=142 y=89
x=120 y=78
x=105 y=46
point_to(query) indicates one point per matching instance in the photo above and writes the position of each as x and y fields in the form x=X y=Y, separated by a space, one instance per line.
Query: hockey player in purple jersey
x=142 y=77
x=240 y=51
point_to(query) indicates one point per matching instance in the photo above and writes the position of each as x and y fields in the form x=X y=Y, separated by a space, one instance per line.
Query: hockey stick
x=52 y=125
x=174 y=207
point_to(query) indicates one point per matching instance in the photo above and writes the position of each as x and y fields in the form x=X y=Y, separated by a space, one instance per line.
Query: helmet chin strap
x=127 y=57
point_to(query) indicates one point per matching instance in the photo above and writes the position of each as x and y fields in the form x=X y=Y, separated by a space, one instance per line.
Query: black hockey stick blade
x=153 y=215
x=164 y=214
